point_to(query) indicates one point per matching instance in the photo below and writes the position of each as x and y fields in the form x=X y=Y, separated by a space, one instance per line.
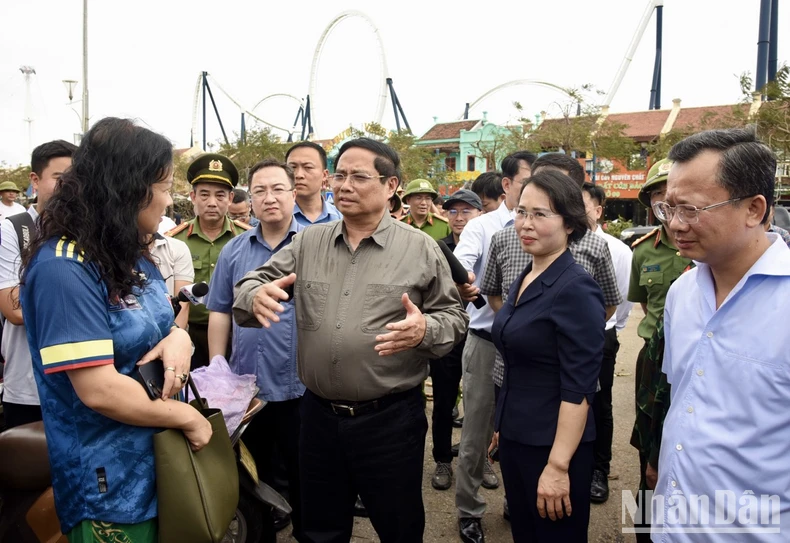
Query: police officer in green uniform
x=655 y=265
x=419 y=196
x=213 y=178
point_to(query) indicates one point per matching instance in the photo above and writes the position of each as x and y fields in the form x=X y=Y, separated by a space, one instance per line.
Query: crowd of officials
x=342 y=310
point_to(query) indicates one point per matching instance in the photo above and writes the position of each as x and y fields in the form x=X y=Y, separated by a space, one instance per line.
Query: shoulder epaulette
x=646 y=236
x=180 y=228
x=242 y=225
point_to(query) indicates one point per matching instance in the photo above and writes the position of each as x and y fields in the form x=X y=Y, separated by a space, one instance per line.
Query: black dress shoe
x=599 y=489
x=506 y=511
x=458 y=423
x=443 y=476
x=471 y=530
x=359 y=508
x=454 y=449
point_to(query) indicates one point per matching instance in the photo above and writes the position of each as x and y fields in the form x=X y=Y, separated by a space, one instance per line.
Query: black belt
x=355 y=409
x=482 y=334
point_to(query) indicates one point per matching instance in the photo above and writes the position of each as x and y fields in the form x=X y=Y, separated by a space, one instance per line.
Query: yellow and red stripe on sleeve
x=71 y=356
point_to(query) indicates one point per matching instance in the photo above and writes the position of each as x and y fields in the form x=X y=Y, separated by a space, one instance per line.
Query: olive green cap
x=213 y=168
x=419 y=186
x=658 y=174
x=9 y=185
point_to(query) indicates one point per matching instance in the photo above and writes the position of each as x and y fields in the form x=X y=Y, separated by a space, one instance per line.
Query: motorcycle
x=27 y=509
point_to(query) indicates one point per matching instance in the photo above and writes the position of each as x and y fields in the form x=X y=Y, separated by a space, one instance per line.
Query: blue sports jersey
x=101 y=469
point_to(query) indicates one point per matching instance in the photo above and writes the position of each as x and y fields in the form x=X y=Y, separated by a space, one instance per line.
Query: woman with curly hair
x=95 y=307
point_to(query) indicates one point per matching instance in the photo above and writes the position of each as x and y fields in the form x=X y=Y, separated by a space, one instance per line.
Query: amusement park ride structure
x=308 y=107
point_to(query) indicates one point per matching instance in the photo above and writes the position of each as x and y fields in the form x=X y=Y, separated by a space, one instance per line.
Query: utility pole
x=28 y=71
x=84 y=66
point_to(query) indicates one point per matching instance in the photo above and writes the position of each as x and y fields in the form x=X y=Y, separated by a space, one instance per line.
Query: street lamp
x=70 y=86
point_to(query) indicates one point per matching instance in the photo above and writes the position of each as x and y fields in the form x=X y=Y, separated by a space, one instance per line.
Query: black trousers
x=17 y=414
x=378 y=456
x=522 y=466
x=277 y=425
x=445 y=377
x=198 y=333
x=602 y=404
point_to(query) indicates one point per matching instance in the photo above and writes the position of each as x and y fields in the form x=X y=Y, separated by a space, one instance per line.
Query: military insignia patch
x=665 y=167
x=215 y=166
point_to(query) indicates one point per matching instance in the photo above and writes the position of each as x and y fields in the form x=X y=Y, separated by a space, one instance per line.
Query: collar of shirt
x=292 y=229
x=328 y=213
x=663 y=237
x=194 y=229
x=428 y=220
x=379 y=236
x=775 y=261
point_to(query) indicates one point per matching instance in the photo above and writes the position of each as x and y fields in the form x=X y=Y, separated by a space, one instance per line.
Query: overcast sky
x=145 y=57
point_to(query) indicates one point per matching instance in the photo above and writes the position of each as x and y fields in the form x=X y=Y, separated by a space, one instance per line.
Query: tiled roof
x=447 y=131
x=692 y=117
x=641 y=125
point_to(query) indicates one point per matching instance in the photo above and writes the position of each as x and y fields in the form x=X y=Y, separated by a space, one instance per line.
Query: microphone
x=458 y=272
x=193 y=294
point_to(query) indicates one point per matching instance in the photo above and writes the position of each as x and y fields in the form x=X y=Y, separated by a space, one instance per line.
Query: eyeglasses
x=686 y=213
x=238 y=216
x=277 y=192
x=355 y=178
x=522 y=214
x=466 y=213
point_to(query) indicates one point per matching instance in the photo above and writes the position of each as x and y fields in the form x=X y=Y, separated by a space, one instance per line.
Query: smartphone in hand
x=152 y=377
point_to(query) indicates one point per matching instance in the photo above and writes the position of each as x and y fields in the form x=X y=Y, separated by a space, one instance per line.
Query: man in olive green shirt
x=374 y=301
x=213 y=178
x=419 y=197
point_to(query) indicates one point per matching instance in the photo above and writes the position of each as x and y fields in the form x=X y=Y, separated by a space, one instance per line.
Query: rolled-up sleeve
x=580 y=319
x=491 y=284
x=445 y=319
x=281 y=264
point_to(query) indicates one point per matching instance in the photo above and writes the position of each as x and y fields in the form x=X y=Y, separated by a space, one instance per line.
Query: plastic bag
x=225 y=390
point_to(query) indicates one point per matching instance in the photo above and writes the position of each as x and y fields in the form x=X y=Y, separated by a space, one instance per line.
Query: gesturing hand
x=266 y=304
x=405 y=334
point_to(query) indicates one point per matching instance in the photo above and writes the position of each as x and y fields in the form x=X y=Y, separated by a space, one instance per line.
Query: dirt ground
x=606 y=519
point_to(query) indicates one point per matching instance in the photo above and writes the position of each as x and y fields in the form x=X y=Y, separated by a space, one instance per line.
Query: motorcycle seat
x=24 y=461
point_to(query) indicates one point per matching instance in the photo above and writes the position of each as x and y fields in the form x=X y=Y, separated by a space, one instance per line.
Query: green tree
x=259 y=144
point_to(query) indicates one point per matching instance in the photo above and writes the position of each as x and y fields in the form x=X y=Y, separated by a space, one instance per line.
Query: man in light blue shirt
x=308 y=161
x=477 y=361
x=271 y=357
x=726 y=438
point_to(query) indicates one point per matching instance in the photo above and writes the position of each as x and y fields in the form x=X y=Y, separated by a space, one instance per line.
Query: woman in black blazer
x=551 y=336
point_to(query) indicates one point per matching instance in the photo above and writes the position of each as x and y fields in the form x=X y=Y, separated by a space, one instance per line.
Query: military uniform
x=655 y=265
x=217 y=169
x=435 y=226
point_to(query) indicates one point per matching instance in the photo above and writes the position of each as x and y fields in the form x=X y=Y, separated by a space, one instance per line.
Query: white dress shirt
x=472 y=252
x=621 y=260
x=728 y=426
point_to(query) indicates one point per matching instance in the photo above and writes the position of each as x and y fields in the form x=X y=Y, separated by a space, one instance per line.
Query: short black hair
x=271 y=163
x=561 y=161
x=512 y=162
x=488 y=185
x=309 y=145
x=240 y=196
x=387 y=161
x=47 y=151
x=565 y=199
x=747 y=166
x=596 y=193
